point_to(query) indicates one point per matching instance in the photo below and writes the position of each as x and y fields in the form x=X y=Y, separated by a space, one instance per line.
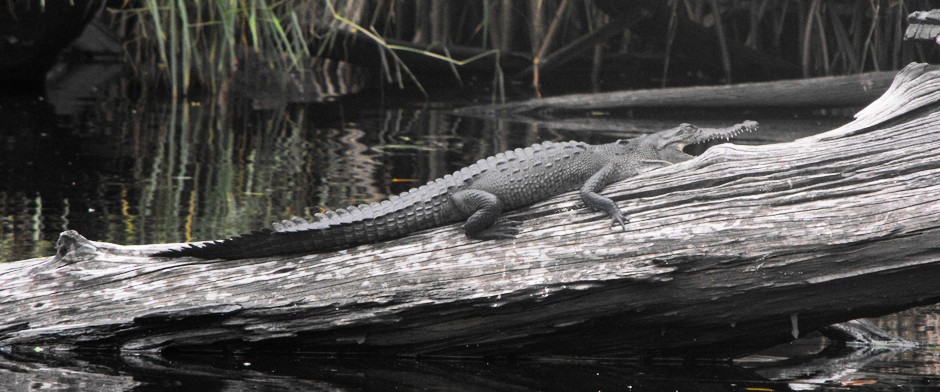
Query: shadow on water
x=148 y=171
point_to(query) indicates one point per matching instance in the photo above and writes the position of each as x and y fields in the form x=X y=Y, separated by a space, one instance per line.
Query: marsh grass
x=195 y=45
x=834 y=37
x=180 y=42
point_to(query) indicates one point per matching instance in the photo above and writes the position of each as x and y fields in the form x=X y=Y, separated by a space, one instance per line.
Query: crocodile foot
x=502 y=229
x=616 y=217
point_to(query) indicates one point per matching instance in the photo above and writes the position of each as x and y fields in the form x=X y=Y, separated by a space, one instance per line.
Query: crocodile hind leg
x=484 y=222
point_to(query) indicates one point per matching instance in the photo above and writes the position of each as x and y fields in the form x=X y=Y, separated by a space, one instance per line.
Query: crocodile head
x=667 y=145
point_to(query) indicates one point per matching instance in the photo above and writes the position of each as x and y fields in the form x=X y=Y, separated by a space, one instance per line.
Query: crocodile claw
x=502 y=229
x=618 y=217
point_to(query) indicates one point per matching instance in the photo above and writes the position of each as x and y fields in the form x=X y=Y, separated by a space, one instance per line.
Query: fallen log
x=740 y=249
x=830 y=91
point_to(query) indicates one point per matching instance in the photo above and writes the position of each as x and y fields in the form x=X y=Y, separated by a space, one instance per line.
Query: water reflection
x=835 y=368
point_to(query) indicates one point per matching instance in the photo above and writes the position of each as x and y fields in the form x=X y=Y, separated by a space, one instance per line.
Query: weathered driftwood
x=923 y=26
x=830 y=91
x=740 y=249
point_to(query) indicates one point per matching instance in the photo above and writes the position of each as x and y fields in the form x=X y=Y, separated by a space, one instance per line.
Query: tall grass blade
x=173 y=49
x=186 y=45
x=253 y=25
x=158 y=28
x=876 y=11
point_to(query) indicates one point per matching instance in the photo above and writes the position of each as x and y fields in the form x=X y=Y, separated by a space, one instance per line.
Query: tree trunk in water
x=737 y=250
x=852 y=90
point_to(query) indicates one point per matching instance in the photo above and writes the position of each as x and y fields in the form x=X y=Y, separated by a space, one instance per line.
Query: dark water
x=132 y=170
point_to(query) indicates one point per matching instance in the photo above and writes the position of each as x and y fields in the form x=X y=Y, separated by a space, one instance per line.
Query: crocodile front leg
x=602 y=203
x=483 y=209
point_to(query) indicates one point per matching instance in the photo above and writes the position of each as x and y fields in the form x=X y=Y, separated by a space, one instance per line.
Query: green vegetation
x=190 y=44
x=203 y=41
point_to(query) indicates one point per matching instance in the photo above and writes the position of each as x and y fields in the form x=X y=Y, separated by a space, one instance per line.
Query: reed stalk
x=197 y=44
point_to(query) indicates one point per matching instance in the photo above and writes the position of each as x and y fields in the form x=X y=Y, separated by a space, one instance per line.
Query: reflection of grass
x=21 y=222
x=181 y=172
x=200 y=180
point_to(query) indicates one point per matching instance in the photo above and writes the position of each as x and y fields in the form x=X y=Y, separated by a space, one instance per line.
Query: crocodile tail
x=411 y=211
x=232 y=248
x=267 y=242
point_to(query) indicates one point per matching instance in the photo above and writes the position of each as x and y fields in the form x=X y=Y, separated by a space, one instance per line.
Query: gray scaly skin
x=476 y=194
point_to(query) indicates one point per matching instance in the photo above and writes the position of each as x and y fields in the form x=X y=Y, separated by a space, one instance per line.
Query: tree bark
x=923 y=26
x=737 y=250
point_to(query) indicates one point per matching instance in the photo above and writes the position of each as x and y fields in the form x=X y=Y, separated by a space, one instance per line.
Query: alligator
x=476 y=194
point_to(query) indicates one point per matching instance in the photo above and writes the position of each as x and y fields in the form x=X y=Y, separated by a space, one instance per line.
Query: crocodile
x=476 y=194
